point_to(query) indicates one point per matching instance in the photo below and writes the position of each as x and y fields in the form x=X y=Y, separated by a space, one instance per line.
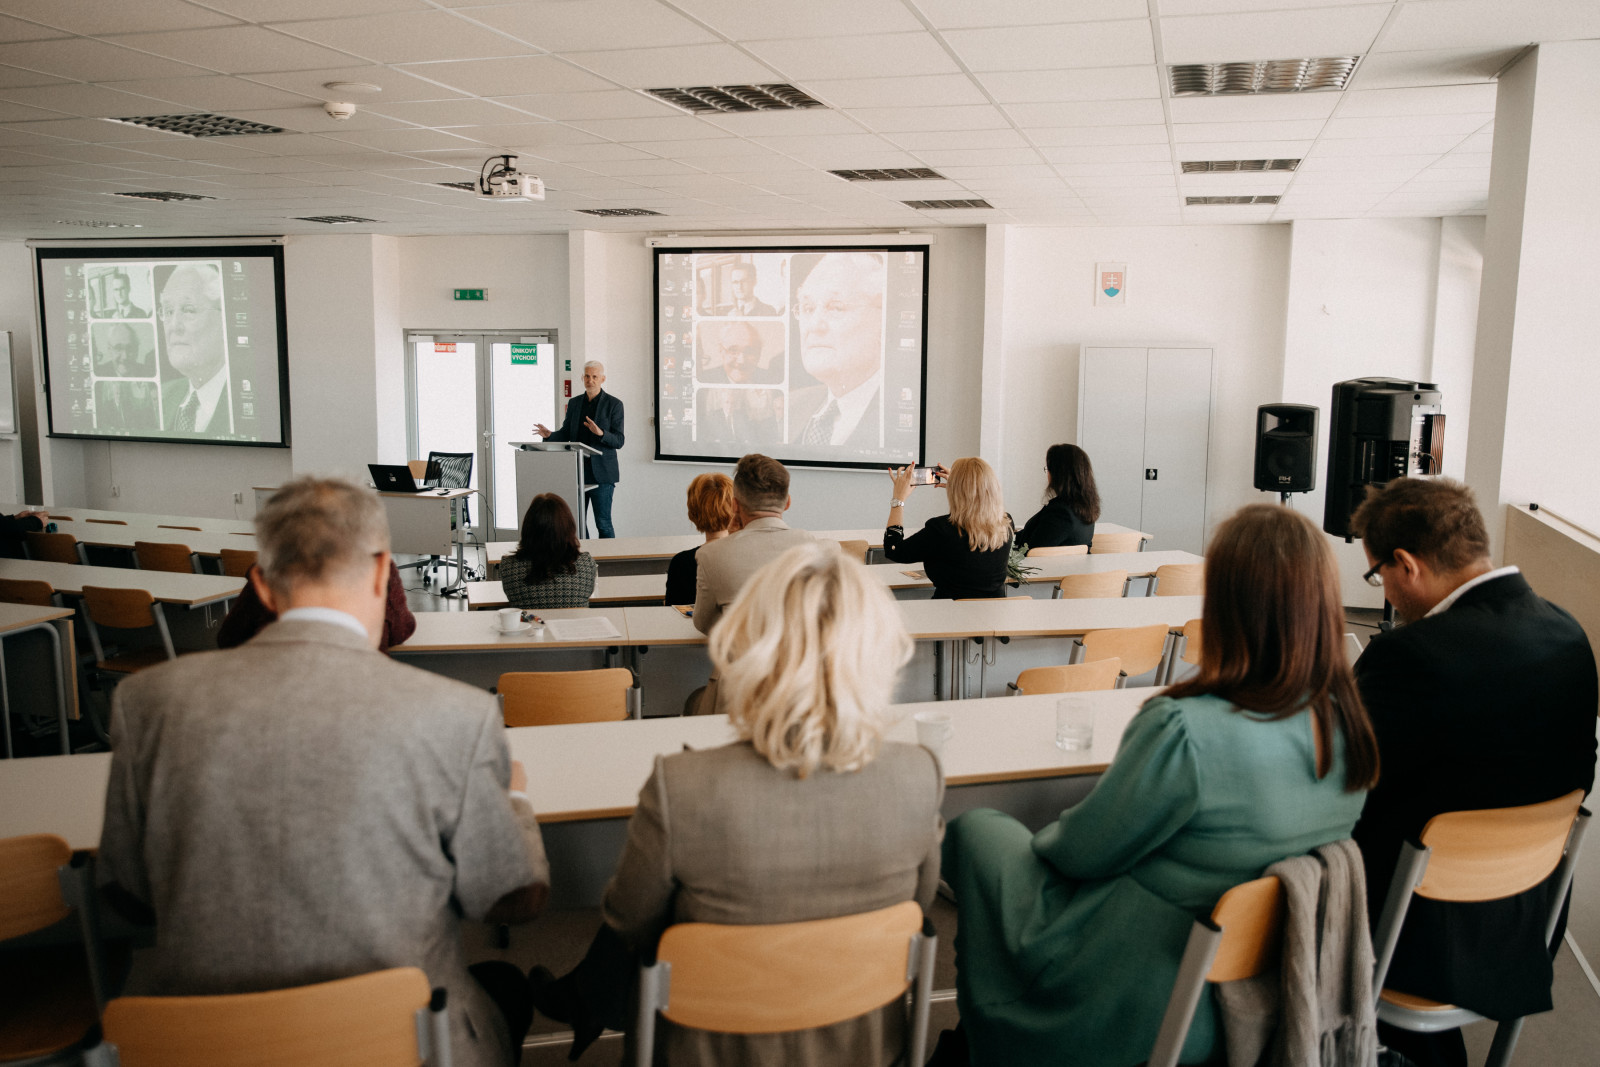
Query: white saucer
x=524 y=628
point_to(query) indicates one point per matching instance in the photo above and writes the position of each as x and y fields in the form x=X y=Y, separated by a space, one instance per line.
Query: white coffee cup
x=934 y=728
x=510 y=619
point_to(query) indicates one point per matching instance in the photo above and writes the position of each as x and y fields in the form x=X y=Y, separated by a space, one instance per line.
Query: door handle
x=1150 y=474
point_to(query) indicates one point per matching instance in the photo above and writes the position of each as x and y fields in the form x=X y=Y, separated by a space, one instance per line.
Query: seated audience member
x=771 y=828
x=249 y=615
x=1072 y=503
x=302 y=809
x=714 y=512
x=1485 y=698
x=1069 y=939
x=965 y=552
x=761 y=496
x=548 y=569
x=12 y=527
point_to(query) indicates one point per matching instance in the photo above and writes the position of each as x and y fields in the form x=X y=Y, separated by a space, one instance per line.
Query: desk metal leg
x=459 y=586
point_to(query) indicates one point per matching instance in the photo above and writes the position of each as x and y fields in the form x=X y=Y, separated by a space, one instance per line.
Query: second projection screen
x=811 y=355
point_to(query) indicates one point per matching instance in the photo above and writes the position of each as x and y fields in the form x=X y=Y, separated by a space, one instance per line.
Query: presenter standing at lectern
x=594 y=419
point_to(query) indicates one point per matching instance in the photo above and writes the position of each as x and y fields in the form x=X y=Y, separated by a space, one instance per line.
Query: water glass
x=1075 y=723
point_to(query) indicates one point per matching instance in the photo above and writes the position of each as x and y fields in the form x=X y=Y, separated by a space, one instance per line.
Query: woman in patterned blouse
x=548 y=570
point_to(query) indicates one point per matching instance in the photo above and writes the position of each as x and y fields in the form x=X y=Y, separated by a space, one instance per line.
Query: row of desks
x=167 y=587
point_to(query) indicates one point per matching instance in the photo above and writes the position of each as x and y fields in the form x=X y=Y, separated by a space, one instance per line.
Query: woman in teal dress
x=1069 y=939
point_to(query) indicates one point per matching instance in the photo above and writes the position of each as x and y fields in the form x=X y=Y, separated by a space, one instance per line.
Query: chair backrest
x=1117 y=542
x=548 y=698
x=29 y=591
x=236 y=562
x=1181 y=579
x=1498 y=852
x=1191 y=641
x=455 y=468
x=856 y=550
x=371 y=1020
x=1082 y=586
x=1139 y=647
x=51 y=547
x=164 y=526
x=163 y=556
x=1072 y=678
x=419 y=469
x=126 y=609
x=1241 y=939
x=1059 y=550
x=30 y=883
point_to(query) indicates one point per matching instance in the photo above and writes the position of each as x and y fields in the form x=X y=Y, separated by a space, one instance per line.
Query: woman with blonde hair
x=769 y=829
x=715 y=514
x=1069 y=938
x=965 y=552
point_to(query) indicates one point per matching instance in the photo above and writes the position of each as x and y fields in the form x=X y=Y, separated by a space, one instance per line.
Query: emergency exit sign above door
x=471 y=294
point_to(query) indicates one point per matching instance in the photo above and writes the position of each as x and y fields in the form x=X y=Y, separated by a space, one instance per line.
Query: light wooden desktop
x=77 y=517
x=189 y=590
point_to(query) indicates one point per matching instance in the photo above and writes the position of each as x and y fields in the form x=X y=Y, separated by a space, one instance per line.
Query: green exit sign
x=470 y=294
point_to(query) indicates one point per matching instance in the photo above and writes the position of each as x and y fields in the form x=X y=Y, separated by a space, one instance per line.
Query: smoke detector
x=337 y=110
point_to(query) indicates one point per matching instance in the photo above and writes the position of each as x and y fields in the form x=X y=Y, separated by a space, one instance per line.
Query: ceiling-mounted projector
x=499 y=179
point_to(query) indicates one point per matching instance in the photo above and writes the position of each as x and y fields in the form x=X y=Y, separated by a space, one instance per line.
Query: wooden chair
x=28 y=591
x=1082 y=586
x=383 y=1019
x=1141 y=648
x=1073 y=678
x=1241 y=939
x=163 y=556
x=1179 y=579
x=1471 y=856
x=125 y=609
x=856 y=550
x=52 y=547
x=1132 y=541
x=1185 y=647
x=50 y=995
x=236 y=562
x=109 y=522
x=771 y=979
x=1059 y=550
x=549 y=698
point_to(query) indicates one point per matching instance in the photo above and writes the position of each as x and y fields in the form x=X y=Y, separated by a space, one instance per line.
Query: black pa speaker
x=1286 y=448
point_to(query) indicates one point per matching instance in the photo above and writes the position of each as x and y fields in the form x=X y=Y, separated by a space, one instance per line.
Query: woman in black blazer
x=965 y=552
x=1072 y=503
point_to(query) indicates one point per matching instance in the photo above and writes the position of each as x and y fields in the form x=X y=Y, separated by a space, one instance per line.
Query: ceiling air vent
x=470 y=187
x=1212 y=201
x=166 y=198
x=200 y=125
x=946 y=205
x=96 y=224
x=616 y=212
x=1235 y=166
x=335 y=220
x=895 y=174
x=706 y=98
x=1265 y=76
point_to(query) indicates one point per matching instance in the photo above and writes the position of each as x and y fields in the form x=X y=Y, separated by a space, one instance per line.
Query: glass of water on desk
x=1075 y=722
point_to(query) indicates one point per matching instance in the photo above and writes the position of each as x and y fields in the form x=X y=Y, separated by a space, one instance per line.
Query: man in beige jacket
x=302 y=808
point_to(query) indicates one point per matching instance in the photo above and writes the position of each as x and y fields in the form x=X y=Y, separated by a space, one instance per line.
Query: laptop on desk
x=396 y=478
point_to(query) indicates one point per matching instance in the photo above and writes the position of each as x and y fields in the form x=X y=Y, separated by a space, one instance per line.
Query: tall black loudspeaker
x=1286 y=448
x=1379 y=429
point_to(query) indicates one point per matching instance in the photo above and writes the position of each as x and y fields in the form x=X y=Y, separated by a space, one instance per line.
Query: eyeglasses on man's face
x=1372 y=577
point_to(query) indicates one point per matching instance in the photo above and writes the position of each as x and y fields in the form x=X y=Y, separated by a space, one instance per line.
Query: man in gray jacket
x=302 y=808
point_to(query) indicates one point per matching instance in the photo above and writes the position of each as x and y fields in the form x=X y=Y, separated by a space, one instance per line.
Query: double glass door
x=477 y=393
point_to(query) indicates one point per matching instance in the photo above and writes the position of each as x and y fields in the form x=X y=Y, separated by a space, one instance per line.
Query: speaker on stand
x=1286 y=449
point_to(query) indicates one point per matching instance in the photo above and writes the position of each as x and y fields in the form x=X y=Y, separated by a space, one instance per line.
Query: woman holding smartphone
x=964 y=552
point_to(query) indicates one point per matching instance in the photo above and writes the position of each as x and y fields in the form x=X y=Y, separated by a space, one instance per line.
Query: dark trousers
x=508 y=988
x=600 y=501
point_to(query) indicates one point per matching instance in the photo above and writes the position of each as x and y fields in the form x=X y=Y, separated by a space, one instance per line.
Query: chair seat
x=1411 y=1002
x=132 y=662
x=46 y=1002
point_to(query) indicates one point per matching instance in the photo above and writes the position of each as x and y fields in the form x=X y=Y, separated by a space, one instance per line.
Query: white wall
x=1214 y=286
x=16 y=318
x=526 y=279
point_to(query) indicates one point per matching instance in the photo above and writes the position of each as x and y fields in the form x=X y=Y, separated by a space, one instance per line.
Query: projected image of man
x=119 y=304
x=739 y=348
x=119 y=351
x=742 y=277
x=191 y=325
x=839 y=311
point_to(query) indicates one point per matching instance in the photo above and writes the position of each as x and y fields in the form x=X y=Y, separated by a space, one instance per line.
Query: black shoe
x=556 y=999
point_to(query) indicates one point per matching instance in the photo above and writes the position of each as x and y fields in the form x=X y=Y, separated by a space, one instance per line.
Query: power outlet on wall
x=238 y=498
x=116 y=490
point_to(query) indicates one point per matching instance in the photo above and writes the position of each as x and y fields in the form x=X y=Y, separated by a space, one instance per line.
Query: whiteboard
x=8 y=387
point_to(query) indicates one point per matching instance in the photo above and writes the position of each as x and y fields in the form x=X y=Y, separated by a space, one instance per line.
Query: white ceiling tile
x=16 y=77
x=1244 y=150
x=1120 y=153
x=94 y=17
x=90 y=101
x=409 y=140
x=592 y=25
x=661 y=129
x=1490 y=24
x=1430 y=100
x=1393 y=70
x=312 y=119
x=863 y=56
x=986 y=172
x=1081 y=44
x=961 y=14
x=86 y=60
x=234 y=49
x=1075 y=172
x=1458 y=158
x=697 y=150
x=10 y=112
x=646 y=169
x=658 y=68
x=1047 y=136
x=16 y=30
x=1384 y=146
x=1405 y=126
x=922 y=119
x=1385 y=167
x=1197 y=132
x=1264 y=108
x=525 y=134
x=513 y=76
x=746 y=21
x=933 y=90
x=1223 y=7
x=445 y=113
x=1094 y=83
x=831 y=145
x=808 y=121
x=1097 y=113
x=280 y=10
x=394 y=85
x=977 y=139
x=1327 y=31
x=213 y=92
x=607 y=104
x=957 y=157
x=412 y=37
x=1258 y=183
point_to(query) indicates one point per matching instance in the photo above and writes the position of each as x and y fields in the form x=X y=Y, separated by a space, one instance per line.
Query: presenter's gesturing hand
x=588 y=424
x=541 y=429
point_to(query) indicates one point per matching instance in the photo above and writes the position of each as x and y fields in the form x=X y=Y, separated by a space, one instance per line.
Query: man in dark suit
x=1486 y=698
x=745 y=301
x=118 y=303
x=839 y=311
x=594 y=419
x=191 y=325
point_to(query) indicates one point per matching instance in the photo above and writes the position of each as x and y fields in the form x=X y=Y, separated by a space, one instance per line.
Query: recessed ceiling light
x=99 y=225
x=946 y=205
x=199 y=125
x=891 y=174
x=1217 y=201
x=1234 y=166
x=353 y=87
x=165 y=198
x=706 y=98
x=616 y=212
x=1264 y=76
x=335 y=220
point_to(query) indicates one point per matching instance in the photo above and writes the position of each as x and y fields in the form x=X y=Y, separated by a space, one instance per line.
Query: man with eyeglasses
x=738 y=347
x=839 y=311
x=190 y=309
x=1485 y=698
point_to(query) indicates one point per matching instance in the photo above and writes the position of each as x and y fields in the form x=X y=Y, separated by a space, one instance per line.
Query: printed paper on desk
x=598 y=628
